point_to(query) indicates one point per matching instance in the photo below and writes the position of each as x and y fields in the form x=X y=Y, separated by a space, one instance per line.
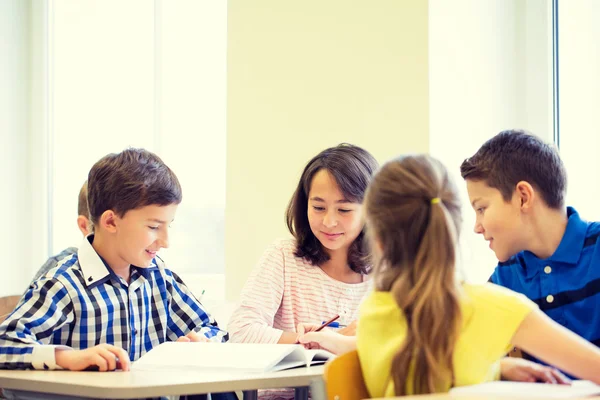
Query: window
x=579 y=102
x=143 y=74
x=490 y=69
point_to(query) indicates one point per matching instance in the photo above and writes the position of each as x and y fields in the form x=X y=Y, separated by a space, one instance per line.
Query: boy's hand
x=192 y=337
x=104 y=356
x=520 y=370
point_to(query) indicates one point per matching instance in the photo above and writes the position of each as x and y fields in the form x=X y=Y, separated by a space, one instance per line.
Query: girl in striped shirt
x=323 y=270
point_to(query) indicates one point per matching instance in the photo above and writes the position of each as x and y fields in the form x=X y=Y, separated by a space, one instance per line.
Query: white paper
x=227 y=356
x=531 y=390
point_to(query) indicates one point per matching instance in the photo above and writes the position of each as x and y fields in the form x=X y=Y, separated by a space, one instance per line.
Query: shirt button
x=135 y=331
x=548 y=269
x=549 y=298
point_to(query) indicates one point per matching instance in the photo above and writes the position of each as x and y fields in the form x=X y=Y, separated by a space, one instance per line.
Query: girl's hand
x=520 y=370
x=349 y=330
x=329 y=340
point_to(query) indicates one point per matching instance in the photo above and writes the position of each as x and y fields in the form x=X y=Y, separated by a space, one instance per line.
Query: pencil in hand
x=327 y=323
x=322 y=326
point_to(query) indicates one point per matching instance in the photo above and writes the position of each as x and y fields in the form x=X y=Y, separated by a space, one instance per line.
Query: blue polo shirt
x=566 y=286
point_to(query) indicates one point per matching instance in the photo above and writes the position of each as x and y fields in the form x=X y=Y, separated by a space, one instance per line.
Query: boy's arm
x=45 y=308
x=188 y=314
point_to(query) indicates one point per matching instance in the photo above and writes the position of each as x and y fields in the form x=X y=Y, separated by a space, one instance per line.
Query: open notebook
x=530 y=390
x=239 y=356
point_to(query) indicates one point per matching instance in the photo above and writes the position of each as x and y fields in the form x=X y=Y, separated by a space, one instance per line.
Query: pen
x=335 y=325
x=324 y=324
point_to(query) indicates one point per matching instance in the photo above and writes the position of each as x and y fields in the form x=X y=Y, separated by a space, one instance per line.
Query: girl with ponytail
x=423 y=330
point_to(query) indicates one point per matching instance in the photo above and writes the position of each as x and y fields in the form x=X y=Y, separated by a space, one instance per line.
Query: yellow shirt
x=491 y=316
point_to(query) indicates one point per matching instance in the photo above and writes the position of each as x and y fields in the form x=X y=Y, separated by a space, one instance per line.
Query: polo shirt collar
x=569 y=249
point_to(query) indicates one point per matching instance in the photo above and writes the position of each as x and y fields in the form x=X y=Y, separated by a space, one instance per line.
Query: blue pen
x=334 y=324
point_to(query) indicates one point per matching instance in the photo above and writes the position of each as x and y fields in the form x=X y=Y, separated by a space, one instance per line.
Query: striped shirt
x=284 y=291
x=82 y=303
x=566 y=286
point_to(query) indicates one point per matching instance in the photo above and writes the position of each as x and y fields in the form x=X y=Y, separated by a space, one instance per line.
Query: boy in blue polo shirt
x=517 y=186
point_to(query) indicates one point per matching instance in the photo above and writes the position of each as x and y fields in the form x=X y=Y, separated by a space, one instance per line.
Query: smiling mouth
x=331 y=235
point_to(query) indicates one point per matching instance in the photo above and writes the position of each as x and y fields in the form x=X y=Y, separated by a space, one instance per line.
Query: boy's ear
x=84 y=224
x=525 y=194
x=108 y=221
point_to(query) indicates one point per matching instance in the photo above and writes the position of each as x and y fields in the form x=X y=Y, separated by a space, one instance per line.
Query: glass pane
x=490 y=70
x=579 y=95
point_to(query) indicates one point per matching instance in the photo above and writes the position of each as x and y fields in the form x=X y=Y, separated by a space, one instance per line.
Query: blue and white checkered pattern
x=81 y=307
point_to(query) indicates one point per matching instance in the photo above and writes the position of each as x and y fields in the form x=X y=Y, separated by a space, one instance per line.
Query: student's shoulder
x=159 y=268
x=285 y=246
x=282 y=250
x=515 y=266
x=66 y=271
x=488 y=296
x=65 y=254
x=280 y=256
x=592 y=234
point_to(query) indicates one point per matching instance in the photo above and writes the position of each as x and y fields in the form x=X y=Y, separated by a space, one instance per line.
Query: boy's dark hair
x=352 y=167
x=516 y=155
x=82 y=202
x=129 y=180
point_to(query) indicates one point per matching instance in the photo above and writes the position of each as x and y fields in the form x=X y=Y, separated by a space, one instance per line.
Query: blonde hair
x=413 y=220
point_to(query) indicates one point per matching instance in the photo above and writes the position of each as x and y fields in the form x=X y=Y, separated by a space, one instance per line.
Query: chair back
x=7 y=305
x=344 y=379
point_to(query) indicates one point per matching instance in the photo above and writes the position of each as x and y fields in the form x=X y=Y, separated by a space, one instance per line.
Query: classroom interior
x=235 y=96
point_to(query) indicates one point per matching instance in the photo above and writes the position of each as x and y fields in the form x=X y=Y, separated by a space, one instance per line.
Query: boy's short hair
x=82 y=203
x=129 y=180
x=516 y=155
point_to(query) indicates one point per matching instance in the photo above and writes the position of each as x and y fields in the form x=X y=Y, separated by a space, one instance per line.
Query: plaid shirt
x=81 y=303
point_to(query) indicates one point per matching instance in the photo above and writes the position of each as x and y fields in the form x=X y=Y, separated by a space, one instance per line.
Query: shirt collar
x=569 y=249
x=93 y=268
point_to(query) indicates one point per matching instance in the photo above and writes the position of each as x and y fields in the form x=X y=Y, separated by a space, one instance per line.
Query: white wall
x=303 y=76
x=489 y=70
x=14 y=138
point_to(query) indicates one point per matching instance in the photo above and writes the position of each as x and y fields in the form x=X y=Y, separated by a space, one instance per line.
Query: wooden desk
x=136 y=384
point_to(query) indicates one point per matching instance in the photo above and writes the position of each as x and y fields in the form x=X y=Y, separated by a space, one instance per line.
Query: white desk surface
x=136 y=384
x=448 y=396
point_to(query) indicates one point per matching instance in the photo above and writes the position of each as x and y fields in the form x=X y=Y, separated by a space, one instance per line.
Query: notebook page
x=527 y=390
x=239 y=356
